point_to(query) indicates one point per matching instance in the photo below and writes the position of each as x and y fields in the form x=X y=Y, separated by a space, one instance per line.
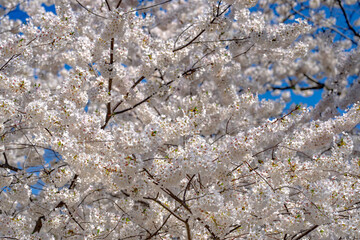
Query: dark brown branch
x=38 y=224
x=142 y=101
x=292 y=111
x=6 y=164
x=191 y=41
x=226 y=132
x=165 y=207
x=176 y=198
x=314 y=81
x=89 y=10
x=145 y=8
x=73 y=218
x=73 y=182
x=108 y=5
x=331 y=28
x=157 y=230
x=235 y=169
x=187 y=187
x=234 y=229
x=188 y=231
x=202 y=31
x=136 y=105
x=63 y=204
x=212 y=233
x=207 y=54
x=127 y=94
x=272 y=147
x=177 y=38
x=167 y=191
x=347 y=19
x=218 y=8
x=301 y=89
x=244 y=52
x=222 y=40
x=48 y=131
x=190 y=71
x=108 y=107
x=112 y=230
x=118 y=5
x=306 y=232
x=306 y=155
x=186 y=222
x=257 y=173
x=8 y=61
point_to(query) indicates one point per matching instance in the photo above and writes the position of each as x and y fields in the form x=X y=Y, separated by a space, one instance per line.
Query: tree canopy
x=147 y=120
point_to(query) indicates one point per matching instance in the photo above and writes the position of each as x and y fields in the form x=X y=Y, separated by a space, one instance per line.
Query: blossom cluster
x=120 y=121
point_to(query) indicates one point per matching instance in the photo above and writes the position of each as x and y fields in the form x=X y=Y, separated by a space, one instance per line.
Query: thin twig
x=245 y=51
x=165 y=207
x=186 y=188
x=145 y=8
x=7 y=62
x=90 y=10
x=266 y=181
x=177 y=38
x=202 y=31
x=222 y=40
x=347 y=19
x=157 y=230
x=306 y=232
x=128 y=92
x=142 y=101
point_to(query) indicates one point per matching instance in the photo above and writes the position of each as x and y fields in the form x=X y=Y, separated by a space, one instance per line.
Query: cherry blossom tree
x=121 y=120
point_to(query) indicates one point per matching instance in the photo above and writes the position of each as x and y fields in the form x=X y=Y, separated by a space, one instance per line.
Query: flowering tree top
x=152 y=116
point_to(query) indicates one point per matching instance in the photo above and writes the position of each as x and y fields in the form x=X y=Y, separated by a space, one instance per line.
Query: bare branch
x=306 y=232
x=347 y=19
x=108 y=5
x=128 y=92
x=90 y=10
x=38 y=224
x=187 y=187
x=8 y=61
x=202 y=31
x=6 y=164
x=145 y=8
x=118 y=5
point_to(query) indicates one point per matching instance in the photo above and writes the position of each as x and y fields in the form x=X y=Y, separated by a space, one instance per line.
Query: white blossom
x=129 y=120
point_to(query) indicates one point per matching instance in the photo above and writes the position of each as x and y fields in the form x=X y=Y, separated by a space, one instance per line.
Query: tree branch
x=118 y=5
x=6 y=164
x=8 y=61
x=347 y=19
x=145 y=8
x=108 y=5
x=128 y=92
x=306 y=232
x=186 y=222
x=89 y=10
x=202 y=31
